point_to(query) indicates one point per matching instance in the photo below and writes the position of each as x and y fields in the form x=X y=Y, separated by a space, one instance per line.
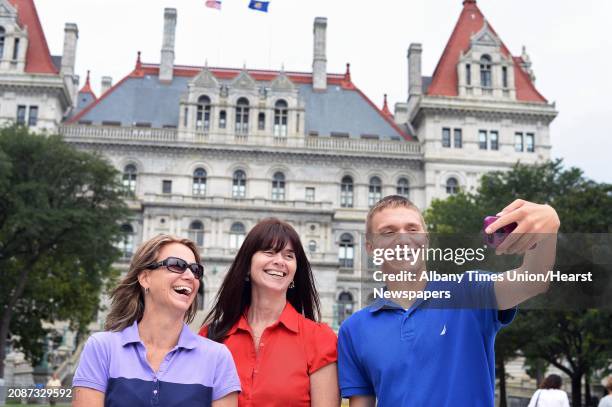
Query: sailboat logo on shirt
x=443 y=330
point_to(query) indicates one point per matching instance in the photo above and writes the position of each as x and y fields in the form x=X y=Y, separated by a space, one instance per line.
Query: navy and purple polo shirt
x=195 y=372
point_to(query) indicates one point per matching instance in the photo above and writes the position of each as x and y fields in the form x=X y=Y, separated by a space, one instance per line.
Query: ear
x=144 y=279
x=369 y=247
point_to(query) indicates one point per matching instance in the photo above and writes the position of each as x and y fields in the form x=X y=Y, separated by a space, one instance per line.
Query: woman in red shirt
x=266 y=313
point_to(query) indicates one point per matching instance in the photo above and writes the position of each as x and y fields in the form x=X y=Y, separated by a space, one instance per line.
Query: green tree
x=59 y=215
x=577 y=342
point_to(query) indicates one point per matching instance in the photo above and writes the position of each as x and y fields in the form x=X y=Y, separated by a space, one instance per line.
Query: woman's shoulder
x=317 y=330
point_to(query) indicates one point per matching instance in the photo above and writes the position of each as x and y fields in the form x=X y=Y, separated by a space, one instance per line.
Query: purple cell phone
x=496 y=238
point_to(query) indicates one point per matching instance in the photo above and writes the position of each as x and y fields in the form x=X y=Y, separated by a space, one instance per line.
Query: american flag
x=214 y=4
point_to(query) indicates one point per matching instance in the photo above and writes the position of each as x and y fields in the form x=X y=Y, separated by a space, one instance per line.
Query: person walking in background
x=267 y=313
x=53 y=383
x=148 y=356
x=550 y=394
x=606 y=401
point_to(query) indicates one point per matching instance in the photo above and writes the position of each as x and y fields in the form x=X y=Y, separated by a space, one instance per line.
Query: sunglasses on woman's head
x=176 y=265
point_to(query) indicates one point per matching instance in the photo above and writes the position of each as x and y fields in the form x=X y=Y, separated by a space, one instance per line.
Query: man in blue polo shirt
x=424 y=350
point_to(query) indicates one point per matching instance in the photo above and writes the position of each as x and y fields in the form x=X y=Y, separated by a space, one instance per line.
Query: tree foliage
x=60 y=210
x=577 y=342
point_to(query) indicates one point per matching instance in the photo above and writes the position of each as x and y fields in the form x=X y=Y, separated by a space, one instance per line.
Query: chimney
x=71 y=35
x=319 y=61
x=107 y=83
x=166 y=65
x=415 y=80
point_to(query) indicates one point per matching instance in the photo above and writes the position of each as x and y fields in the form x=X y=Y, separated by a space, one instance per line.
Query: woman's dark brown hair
x=234 y=296
x=552 y=381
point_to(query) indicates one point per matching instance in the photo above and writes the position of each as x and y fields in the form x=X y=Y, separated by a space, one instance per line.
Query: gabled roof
x=445 y=82
x=38 y=58
x=141 y=98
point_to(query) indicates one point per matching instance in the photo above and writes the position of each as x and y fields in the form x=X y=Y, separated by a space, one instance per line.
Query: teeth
x=182 y=287
x=276 y=273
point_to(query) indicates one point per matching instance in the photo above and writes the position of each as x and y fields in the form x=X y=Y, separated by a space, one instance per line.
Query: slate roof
x=141 y=98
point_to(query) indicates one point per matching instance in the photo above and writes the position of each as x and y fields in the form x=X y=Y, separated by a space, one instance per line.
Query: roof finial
x=87 y=87
x=87 y=79
x=347 y=74
x=385 y=108
x=138 y=62
x=138 y=71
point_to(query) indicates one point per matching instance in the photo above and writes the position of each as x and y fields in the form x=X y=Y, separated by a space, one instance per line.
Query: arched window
x=129 y=179
x=345 y=306
x=485 y=71
x=312 y=246
x=278 y=187
x=203 y=114
x=126 y=244
x=237 y=234
x=280 y=119
x=346 y=253
x=374 y=191
x=196 y=232
x=2 y=32
x=346 y=192
x=403 y=187
x=242 y=116
x=239 y=184
x=199 y=182
x=452 y=186
x=261 y=121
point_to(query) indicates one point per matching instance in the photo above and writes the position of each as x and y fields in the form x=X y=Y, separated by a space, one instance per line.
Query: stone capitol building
x=207 y=152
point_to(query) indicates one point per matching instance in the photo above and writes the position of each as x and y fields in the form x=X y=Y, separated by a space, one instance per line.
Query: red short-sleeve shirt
x=290 y=350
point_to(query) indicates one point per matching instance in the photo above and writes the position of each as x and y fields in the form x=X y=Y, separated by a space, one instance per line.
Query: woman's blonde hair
x=127 y=298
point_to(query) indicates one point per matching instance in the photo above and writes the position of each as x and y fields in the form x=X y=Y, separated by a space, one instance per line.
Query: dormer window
x=280 y=119
x=485 y=71
x=242 y=116
x=203 y=114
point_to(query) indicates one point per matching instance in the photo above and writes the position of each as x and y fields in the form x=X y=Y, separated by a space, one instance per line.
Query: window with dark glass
x=485 y=71
x=199 y=182
x=278 y=187
x=310 y=194
x=446 y=140
x=374 y=191
x=504 y=77
x=346 y=252
x=468 y=75
x=242 y=116
x=21 y=115
x=2 y=34
x=166 y=186
x=458 y=136
x=403 y=187
x=126 y=244
x=239 y=184
x=203 y=114
x=186 y=117
x=346 y=306
x=222 y=119
x=529 y=143
x=346 y=192
x=196 y=233
x=16 y=49
x=280 y=118
x=237 y=234
x=452 y=186
x=312 y=246
x=494 y=139
x=129 y=178
x=518 y=142
x=482 y=139
x=261 y=121
x=33 y=116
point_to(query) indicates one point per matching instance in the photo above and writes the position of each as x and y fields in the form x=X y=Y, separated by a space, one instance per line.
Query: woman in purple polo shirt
x=148 y=356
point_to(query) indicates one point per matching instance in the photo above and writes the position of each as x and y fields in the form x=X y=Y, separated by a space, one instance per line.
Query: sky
x=569 y=43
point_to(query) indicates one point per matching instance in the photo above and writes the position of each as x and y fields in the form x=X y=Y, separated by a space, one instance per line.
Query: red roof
x=87 y=87
x=38 y=58
x=445 y=82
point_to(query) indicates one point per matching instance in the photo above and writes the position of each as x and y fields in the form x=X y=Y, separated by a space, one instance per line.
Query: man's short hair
x=391 y=201
x=609 y=384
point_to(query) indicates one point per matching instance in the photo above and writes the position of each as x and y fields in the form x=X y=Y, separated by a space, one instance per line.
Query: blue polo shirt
x=434 y=354
x=194 y=373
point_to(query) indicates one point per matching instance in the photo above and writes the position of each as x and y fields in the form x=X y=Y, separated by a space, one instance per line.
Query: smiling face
x=273 y=270
x=169 y=290
x=395 y=226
